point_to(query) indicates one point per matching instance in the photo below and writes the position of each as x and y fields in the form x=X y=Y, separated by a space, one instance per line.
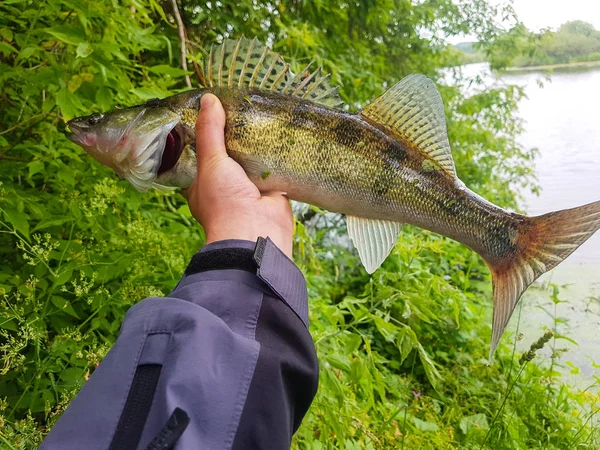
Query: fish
x=387 y=165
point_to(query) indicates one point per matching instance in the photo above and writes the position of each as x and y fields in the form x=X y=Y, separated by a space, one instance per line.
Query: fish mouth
x=79 y=135
x=174 y=144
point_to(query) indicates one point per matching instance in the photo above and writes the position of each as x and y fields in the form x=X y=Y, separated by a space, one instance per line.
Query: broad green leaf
x=84 y=50
x=6 y=49
x=52 y=222
x=27 y=52
x=147 y=93
x=387 y=329
x=474 y=422
x=404 y=342
x=17 y=219
x=69 y=34
x=69 y=104
x=35 y=167
x=8 y=324
x=63 y=277
x=6 y=34
x=64 y=305
x=184 y=210
x=164 y=69
x=425 y=426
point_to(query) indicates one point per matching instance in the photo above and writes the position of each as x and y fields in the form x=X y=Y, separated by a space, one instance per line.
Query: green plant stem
x=408 y=402
x=6 y=442
x=514 y=349
x=508 y=392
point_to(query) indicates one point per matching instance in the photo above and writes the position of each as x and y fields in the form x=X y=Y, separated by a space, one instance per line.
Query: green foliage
x=573 y=42
x=403 y=353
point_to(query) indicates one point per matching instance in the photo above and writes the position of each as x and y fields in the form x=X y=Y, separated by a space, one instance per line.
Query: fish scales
x=386 y=165
x=312 y=152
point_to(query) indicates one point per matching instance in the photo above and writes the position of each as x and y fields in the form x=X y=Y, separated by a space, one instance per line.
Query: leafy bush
x=403 y=353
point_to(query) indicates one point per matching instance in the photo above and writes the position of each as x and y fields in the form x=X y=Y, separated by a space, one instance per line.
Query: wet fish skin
x=341 y=162
x=386 y=165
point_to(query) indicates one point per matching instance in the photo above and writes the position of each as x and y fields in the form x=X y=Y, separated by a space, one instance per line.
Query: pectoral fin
x=374 y=239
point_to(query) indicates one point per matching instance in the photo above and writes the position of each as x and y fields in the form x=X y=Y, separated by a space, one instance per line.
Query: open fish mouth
x=172 y=150
x=139 y=143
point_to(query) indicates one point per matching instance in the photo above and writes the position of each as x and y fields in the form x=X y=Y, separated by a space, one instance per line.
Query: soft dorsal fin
x=374 y=239
x=413 y=110
x=246 y=63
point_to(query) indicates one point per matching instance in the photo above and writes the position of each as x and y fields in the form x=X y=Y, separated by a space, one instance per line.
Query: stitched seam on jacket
x=242 y=393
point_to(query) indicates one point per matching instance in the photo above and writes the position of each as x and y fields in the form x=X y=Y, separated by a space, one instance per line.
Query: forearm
x=229 y=347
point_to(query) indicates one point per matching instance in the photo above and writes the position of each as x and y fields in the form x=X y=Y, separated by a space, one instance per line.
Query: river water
x=562 y=120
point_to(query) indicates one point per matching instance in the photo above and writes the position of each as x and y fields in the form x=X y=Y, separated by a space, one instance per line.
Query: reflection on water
x=563 y=122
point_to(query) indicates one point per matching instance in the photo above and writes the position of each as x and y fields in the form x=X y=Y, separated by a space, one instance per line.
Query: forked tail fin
x=543 y=242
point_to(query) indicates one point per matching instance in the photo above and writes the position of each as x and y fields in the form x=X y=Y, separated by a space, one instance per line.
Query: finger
x=210 y=125
x=277 y=196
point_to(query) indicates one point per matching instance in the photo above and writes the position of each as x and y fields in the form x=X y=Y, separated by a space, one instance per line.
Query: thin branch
x=197 y=71
x=13 y=158
x=22 y=122
x=181 y=30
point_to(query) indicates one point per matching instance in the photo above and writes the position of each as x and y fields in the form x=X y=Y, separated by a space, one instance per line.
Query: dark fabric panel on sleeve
x=134 y=415
x=284 y=382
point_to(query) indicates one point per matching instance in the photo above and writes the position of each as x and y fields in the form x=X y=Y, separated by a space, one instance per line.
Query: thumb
x=210 y=125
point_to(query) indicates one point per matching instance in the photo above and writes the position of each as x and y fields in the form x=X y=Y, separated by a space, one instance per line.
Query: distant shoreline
x=553 y=66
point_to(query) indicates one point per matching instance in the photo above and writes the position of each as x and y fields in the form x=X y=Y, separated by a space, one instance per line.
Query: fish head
x=137 y=143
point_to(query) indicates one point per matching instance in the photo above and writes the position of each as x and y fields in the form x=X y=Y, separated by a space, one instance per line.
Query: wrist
x=282 y=240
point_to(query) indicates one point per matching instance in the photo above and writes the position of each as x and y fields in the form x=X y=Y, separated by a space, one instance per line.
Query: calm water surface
x=563 y=122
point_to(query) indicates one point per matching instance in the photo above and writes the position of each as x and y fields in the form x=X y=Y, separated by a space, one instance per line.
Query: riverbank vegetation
x=575 y=43
x=403 y=353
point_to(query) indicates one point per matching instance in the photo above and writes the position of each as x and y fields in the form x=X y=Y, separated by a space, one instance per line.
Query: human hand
x=223 y=199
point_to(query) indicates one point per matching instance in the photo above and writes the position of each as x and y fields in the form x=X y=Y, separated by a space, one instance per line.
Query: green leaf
x=9 y=324
x=27 y=52
x=17 y=219
x=6 y=49
x=64 y=305
x=68 y=34
x=184 y=210
x=84 y=50
x=146 y=93
x=474 y=422
x=404 y=342
x=6 y=34
x=52 y=222
x=69 y=104
x=425 y=426
x=352 y=342
x=574 y=369
x=63 y=277
x=35 y=167
x=387 y=329
x=164 y=69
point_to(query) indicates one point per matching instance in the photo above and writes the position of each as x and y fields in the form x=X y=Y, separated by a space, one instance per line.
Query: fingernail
x=207 y=101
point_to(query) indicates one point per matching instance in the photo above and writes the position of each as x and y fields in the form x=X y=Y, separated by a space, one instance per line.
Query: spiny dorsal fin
x=245 y=63
x=413 y=110
x=374 y=239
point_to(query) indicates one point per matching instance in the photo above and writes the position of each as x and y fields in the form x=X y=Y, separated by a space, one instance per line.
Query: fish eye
x=95 y=118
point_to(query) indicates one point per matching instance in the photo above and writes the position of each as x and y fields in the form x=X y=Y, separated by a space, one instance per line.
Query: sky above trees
x=538 y=14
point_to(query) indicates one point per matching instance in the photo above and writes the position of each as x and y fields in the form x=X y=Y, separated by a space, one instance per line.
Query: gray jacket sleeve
x=224 y=362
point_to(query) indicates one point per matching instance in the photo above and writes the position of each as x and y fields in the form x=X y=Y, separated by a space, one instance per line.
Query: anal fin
x=374 y=239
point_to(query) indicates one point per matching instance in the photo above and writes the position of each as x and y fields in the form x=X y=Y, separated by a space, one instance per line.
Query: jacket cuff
x=276 y=273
